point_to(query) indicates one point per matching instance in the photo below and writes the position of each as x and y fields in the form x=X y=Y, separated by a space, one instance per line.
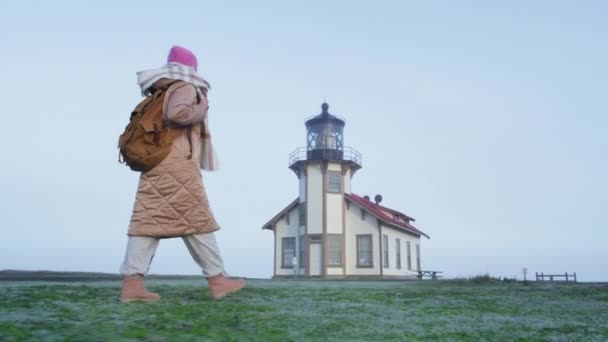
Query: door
x=315 y=259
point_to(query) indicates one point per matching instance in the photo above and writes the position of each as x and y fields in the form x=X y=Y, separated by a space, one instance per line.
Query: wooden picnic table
x=432 y=274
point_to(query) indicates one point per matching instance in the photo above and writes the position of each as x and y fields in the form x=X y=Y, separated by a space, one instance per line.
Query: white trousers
x=202 y=247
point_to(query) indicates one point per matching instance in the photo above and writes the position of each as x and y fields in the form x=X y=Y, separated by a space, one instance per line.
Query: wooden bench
x=431 y=274
x=556 y=277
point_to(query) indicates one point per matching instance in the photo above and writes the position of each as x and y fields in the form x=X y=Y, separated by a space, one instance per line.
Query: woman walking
x=171 y=200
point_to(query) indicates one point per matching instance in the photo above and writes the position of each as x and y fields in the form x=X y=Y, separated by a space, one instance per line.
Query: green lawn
x=306 y=310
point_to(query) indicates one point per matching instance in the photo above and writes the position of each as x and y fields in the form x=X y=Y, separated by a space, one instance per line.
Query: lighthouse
x=324 y=169
x=324 y=232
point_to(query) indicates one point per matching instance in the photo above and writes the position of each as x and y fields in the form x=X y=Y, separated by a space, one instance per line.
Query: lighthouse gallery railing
x=348 y=154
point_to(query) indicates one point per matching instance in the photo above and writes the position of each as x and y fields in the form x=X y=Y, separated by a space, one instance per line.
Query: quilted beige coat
x=171 y=200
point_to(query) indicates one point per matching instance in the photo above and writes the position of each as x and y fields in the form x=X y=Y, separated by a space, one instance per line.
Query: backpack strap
x=146 y=103
x=189 y=133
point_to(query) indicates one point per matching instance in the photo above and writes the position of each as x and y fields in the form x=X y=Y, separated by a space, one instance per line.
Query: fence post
x=566 y=276
x=575 y=277
x=542 y=276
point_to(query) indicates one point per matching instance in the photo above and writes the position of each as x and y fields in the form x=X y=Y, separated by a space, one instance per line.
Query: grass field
x=305 y=310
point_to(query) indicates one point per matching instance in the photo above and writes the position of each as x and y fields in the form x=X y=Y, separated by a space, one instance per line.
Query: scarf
x=173 y=71
x=208 y=157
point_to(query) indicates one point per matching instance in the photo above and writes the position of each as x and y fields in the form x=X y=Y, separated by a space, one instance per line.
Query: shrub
x=484 y=279
x=509 y=280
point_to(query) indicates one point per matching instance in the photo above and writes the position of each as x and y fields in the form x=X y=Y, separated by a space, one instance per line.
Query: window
x=334 y=181
x=409 y=255
x=418 y=256
x=334 y=247
x=288 y=245
x=398 y=251
x=301 y=251
x=385 y=249
x=362 y=214
x=287 y=218
x=364 y=251
x=302 y=212
x=330 y=141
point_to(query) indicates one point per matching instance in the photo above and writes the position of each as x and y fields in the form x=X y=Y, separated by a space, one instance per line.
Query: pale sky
x=485 y=121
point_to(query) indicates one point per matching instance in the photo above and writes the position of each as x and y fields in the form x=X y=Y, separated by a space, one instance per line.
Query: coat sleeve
x=181 y=107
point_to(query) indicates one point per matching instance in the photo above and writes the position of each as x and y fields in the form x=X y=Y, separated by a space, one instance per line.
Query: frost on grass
x=307 y=310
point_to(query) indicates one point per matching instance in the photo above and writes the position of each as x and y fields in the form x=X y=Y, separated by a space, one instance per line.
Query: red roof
x=386 y=214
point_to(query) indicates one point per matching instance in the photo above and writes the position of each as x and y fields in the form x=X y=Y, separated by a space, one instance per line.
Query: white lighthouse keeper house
x=331 y=232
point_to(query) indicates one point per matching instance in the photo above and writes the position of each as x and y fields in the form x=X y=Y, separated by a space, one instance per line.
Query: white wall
x=404 y=237
x=335 y=271
x=301 y=229
x=334 y=167
x=354 y=226
x=334 y=206
x=347 y=182
x=314 y=220
x=334 y=213
x=285 y=230
x=302 y=188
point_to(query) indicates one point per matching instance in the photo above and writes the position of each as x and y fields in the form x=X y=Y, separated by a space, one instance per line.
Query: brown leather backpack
x=147 y=138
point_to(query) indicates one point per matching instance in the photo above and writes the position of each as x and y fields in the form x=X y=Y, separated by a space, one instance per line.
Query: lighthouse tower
x=324 y=169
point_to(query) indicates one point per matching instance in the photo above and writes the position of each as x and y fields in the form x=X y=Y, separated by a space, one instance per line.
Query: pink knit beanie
x=183 y=56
